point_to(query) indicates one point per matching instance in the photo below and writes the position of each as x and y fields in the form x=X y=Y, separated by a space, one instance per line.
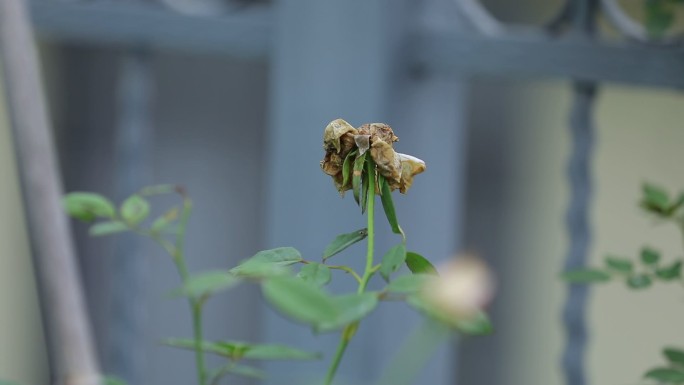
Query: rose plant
x=362 y=160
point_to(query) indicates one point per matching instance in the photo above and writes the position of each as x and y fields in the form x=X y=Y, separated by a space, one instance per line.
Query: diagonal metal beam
x=243 y=33
x=248 y=33
x=544 y=56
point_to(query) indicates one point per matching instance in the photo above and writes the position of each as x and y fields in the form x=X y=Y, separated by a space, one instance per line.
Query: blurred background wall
x=506 y=198
x=517 y=197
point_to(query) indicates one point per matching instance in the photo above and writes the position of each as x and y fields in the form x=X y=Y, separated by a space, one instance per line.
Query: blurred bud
x=464 y=288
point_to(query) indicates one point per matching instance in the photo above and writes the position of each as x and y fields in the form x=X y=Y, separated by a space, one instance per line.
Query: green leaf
x=668 y=273
x=666 y=375
x=88 y=206
x=161 y=223
x=135 y=209
x=278 y=352
x=237 y=350
x=585 y=276
x=246 y=371
x=655 y=199
x=478 y=325
x=660 y=17
x=638 y=281
x=350 y=308
x=674 y=355
x=315 y=273
x=347 y=167
x=392 y=260
x=232 y=350
x=107 y=228
x=649 y=256
x=676 y=205
x=268 y=263
x=408 y=284
x=108 y=380
x=238 y=370
x=622 y=265
x=388 y=205
x=365 y=191
x=299 y=300
x=357 y=176
x=207 y=346
x=475 y=324
x=205 y=284
x=419 y=264
x=160 y=189
x=342 y=241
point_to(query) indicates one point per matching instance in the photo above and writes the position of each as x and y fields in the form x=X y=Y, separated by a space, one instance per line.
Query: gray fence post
x=125 y=340
x=72 y=353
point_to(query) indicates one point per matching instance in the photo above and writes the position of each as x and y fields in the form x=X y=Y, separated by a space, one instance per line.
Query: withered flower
x=344 y=143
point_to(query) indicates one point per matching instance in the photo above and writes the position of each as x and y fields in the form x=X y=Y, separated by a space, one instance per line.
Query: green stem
x=196 y=306
x=680 y=224
x=195 y=303
x=177 y=253
x=350 y=330
x=346 y=269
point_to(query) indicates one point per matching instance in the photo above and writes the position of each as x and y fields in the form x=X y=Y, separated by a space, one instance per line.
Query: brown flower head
x=344 y=143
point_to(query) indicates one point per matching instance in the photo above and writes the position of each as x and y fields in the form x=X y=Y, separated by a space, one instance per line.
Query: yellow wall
x=22 y=348
x=640 y=137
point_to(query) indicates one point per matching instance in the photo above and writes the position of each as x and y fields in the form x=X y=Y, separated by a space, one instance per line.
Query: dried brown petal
x=332 y=163
x=338 y=179
x=388 y=162
x=347 y=144
x=338 y=141
x=334 y=132
x=379 y=131
x=410 y=167
x=362 y=142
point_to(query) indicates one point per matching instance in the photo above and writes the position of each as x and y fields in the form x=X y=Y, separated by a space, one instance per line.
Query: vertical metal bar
x=124 y=346
x=577 y=215
x=71 y=347
x=577 y=219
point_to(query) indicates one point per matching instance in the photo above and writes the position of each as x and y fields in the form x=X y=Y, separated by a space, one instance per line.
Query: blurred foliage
x=660 y=16
x=646 y=269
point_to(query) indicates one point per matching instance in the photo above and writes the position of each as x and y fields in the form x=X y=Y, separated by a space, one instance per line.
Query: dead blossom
x=343 y=144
